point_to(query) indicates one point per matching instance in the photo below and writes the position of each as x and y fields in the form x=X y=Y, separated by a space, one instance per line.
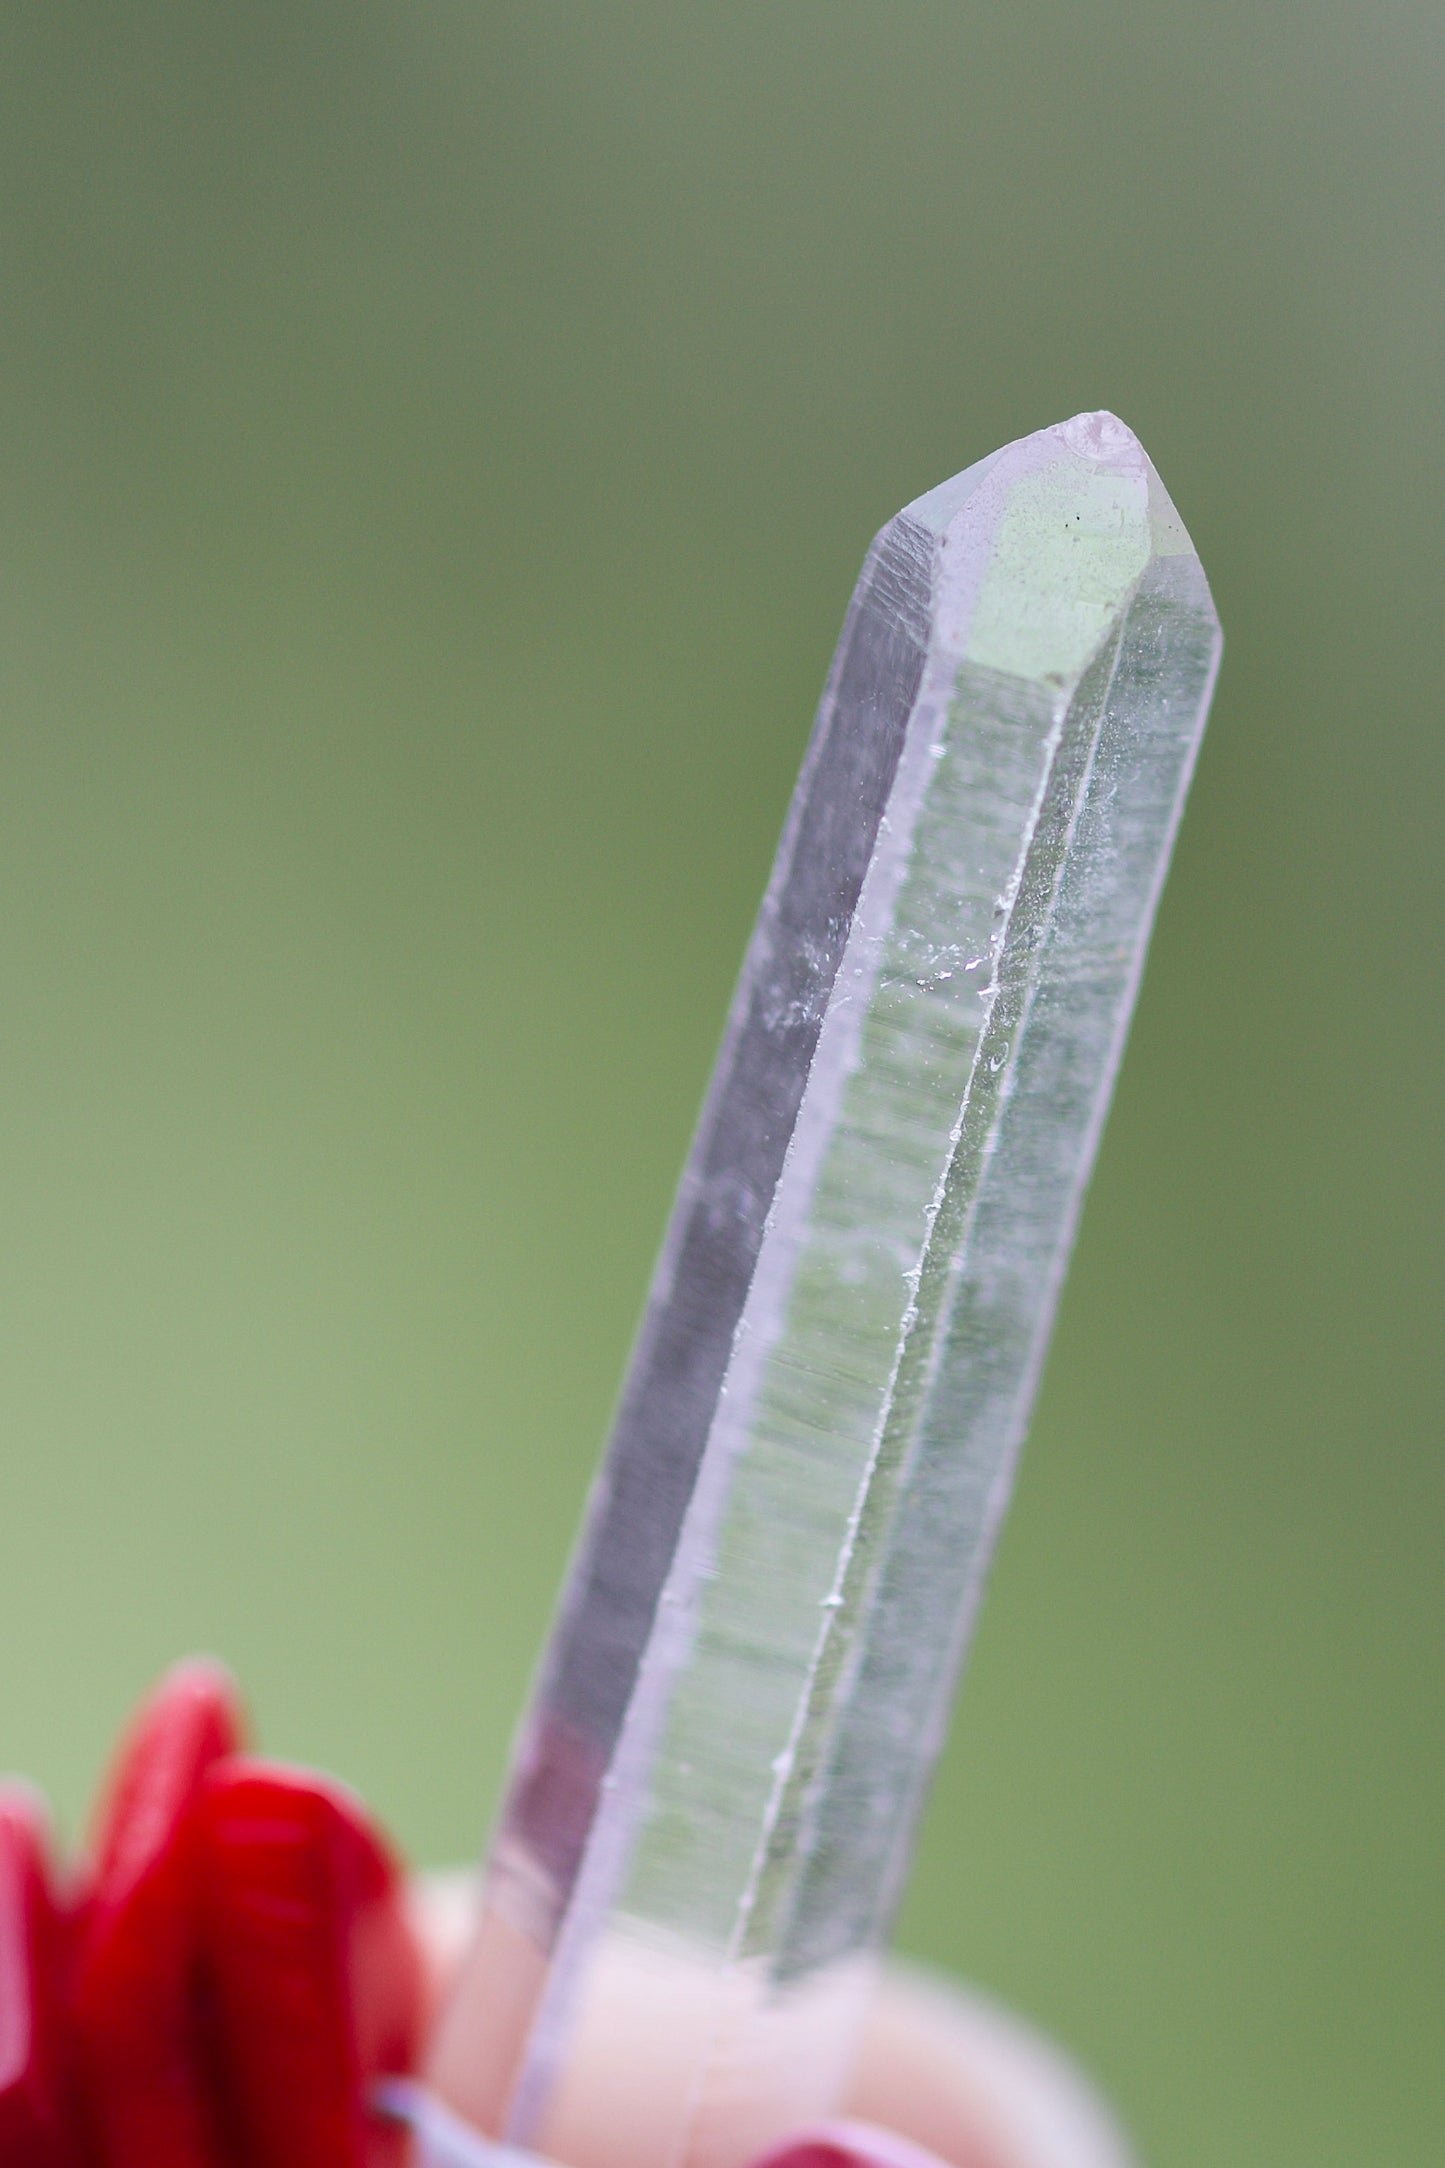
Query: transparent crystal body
x=718 y=1781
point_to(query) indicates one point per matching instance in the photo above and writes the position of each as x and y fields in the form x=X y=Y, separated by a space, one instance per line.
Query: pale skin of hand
x=942 y=2074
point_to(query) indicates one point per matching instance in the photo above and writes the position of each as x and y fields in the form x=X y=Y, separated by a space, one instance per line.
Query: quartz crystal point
x=716 y=1787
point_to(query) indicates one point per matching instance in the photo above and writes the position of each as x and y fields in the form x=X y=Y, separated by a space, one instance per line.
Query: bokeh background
x=436 y=445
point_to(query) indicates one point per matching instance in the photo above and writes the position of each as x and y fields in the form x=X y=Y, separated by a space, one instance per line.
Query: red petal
x=312 y=1965
x=34 y=2124
x=142 y=2065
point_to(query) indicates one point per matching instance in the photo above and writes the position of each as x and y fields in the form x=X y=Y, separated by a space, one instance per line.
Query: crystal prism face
x=717 y=1790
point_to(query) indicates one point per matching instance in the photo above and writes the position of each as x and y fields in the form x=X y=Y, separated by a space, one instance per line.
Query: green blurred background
x=438 y=442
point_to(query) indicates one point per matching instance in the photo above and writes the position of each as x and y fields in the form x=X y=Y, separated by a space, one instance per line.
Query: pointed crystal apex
x=1046 y=543
x=1102 y=436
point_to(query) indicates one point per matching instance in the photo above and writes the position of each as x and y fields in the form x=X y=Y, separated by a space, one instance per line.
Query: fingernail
x=847 y=2144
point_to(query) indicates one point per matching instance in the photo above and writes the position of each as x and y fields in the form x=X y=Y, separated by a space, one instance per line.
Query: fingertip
x=944 y=2078
x=973 y=2085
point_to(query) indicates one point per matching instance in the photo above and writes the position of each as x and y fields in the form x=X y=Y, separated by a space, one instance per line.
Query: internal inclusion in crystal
x=848 y=1325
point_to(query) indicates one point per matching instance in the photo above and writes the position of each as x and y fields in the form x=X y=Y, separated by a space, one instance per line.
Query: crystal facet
x=716 y=1789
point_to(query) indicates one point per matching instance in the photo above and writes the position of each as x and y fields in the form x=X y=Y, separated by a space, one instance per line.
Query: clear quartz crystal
x=717 y=1784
